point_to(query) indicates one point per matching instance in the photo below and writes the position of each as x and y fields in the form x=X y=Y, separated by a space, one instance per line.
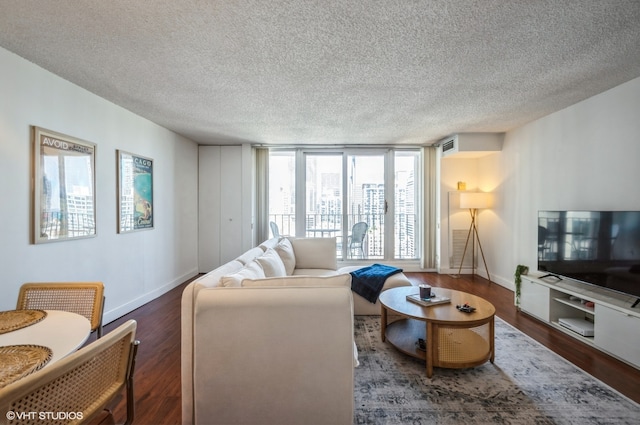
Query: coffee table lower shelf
x=455 y=346
x=403 y=335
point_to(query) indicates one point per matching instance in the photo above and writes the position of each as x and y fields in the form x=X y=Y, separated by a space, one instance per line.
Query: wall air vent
x=471 y=145
x=449 y=144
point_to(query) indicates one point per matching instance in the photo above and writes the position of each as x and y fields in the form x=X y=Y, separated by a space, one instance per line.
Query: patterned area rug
x=527 y=384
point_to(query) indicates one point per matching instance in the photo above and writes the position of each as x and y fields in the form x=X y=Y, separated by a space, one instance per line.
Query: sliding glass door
x=406 y=186
x=323 y=195
x=366 y=206
x=365 y=199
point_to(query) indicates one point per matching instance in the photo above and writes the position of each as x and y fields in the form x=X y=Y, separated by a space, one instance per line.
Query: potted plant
x=520 y=270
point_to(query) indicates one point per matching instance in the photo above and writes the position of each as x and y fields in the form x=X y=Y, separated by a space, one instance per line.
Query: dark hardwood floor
x=157 y=374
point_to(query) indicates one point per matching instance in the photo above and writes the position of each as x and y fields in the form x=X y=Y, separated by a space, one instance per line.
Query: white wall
x=586 y=157
x=452 y=171
x=135 y=267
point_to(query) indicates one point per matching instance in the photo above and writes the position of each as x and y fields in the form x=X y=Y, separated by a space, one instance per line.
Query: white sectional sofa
x=268 y=337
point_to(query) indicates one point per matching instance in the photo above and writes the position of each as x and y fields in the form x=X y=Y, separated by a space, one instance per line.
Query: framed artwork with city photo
x=64 y=182
x=135 y=192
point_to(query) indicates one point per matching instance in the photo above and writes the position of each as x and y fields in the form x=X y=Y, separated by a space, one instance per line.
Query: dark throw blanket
x=368 y=281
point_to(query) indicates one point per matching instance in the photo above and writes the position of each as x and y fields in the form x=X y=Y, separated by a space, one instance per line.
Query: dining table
x=33 y=339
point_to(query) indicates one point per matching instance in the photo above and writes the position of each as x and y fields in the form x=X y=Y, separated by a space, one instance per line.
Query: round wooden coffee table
x=454 y=339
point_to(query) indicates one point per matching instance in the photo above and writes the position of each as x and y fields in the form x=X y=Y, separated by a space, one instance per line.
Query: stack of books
x=415 y=298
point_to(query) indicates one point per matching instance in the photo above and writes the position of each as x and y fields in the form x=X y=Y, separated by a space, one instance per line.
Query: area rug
x=527 y=384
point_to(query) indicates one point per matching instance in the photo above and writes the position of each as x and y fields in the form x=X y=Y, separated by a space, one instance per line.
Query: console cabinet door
x=534 y=299
x=618 y=333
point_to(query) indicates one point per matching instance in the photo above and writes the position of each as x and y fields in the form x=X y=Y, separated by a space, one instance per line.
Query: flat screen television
x=595 y=247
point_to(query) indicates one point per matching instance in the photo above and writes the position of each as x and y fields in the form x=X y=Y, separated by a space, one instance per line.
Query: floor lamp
x=473 y=201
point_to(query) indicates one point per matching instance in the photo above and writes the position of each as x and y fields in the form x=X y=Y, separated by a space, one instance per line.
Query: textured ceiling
x=331 y=71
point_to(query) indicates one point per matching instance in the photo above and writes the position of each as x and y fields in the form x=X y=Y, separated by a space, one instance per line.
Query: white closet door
x=231 y=190
x=208 y=208
x=221 y=174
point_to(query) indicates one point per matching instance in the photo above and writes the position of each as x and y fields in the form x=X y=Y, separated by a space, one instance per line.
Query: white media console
x=611 y=325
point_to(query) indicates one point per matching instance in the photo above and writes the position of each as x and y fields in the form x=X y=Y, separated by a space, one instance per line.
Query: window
x=282 y=191
x=367 y=199
x=323 y=195
x=367 y=206
x=406 y=205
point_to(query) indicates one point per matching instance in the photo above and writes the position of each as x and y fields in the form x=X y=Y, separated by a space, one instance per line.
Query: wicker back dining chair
x=84 y=298
x=80 y=386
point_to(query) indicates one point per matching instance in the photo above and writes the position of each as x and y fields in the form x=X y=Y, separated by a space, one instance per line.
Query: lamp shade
x=475 y=200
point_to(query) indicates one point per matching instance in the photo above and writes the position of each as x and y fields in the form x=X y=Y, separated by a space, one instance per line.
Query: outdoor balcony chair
x=274 y=229
x=356 y=239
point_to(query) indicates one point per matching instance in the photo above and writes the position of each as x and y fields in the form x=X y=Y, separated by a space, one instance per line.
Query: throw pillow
x=337 y=280
x=271 y=264
x=315 y=253
x=253 y=270
x=285 y=251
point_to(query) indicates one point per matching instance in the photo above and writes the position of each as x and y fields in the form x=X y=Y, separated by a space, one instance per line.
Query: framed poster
x=135 y=192
x=64 y=182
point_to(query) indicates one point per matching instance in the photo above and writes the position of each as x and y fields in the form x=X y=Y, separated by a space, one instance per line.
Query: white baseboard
x=507 y=283
x=115 y=313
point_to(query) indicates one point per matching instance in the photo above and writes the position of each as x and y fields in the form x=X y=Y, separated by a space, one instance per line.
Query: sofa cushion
x=250 y=255
x=253 y=270
x=341 y=280
x=270 y=243
x=271 y=264
x=315 y=272
x=212 y=279
x=337 y=280
x=315 y=253
x=272 y=355
x=285 y=251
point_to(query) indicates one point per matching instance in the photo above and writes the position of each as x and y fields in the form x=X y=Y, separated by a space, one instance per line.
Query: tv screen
x=595 y=247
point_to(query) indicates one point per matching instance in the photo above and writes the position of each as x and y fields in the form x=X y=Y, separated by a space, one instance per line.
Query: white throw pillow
x=285 y=251
x=253 y=270
x=272 y=264
x=337 y=280
x=315 y=253
x=270 y=243
x=250 y=255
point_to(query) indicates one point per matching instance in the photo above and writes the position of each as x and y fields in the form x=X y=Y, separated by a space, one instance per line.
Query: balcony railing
x=331 y=225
